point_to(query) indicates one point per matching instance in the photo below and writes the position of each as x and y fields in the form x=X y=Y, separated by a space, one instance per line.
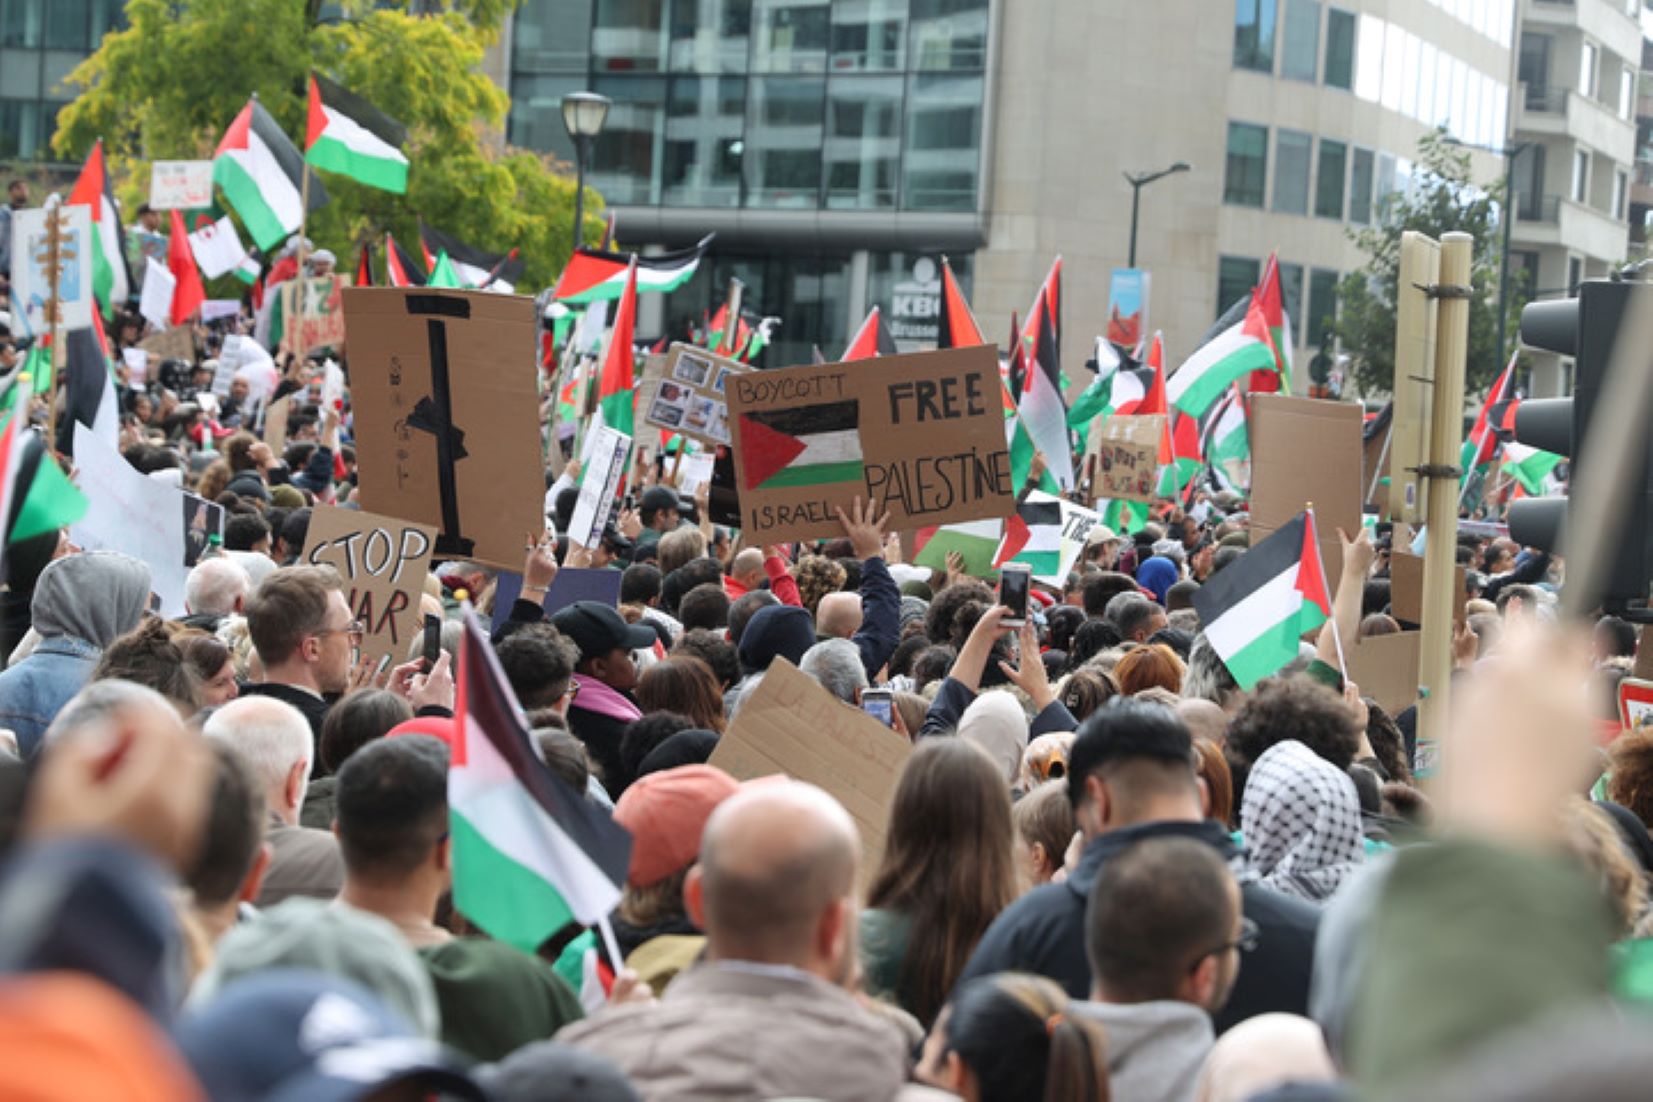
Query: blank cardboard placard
x=921 y=435
x=275 y=423
x=1126 y=454
x=447 y=415
x=793 y=726
x=383 y=562
x=1386 y=669
x=1406 y=588
x=571 y=584
x=177 y=343
x=1306 y=450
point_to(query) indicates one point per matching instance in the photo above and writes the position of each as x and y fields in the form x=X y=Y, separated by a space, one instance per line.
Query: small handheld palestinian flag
x=803 y=446
x=1256 y=609
x=1033 y=535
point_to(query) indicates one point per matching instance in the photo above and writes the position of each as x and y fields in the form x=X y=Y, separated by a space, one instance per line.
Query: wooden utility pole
x=57 y=253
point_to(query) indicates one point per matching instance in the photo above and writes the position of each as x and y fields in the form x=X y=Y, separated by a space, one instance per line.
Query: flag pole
x=300 y=281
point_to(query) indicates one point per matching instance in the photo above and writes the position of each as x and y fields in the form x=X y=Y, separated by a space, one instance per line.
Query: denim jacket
x=36 y=689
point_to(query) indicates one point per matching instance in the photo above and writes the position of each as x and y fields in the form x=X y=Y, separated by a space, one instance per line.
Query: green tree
x=168 y=85
x=1443 y=198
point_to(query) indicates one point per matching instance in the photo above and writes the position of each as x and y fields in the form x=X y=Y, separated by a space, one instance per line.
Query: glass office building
x=41 y=41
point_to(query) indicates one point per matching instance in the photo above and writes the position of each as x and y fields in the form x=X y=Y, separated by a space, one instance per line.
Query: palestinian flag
x=88 y=388
x=1279 y=331
x=958 y=327
x=530 y=854
x=217 y=247
x=1041 y=409
x=364 y=265
x=350 y=136
x=594 y=274
x=617 y=386
x=1256 y=609
x=977 y=541
x=1530 y=467
x=1227 y=438
x=111 y=278
x=187 y=293
x=1095 y=398
x=1186 y=457
x=1232 y=355
x=12 y=439
x=1050 y=293
x=400 y=269
x=1033 y=535
x=871 y=340
x=474 y=267
x=262 y=175
x=1016 y=435
x=1495 y=424
x=42 y=499
x=815 y=445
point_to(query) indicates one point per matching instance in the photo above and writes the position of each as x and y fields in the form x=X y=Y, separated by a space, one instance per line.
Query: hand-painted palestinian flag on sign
x=803 y=446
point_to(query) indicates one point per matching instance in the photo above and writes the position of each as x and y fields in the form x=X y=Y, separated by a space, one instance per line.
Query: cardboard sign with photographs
x=445 y=389
x=793 y=727
x=1306 y=450
x=1125 y=456
x=203 y=520
x=920 y=435
x=688 y=394
x=383 y=562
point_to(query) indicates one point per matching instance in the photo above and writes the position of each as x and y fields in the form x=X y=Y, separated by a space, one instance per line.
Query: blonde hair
x=679 y=547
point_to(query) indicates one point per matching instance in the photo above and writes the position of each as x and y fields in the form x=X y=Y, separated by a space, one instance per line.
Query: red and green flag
x=958 y=328
x=1231 y=355
x=1272 y=299
x=187 y=292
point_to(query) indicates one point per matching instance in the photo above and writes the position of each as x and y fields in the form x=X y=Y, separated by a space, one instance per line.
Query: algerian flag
x=530 y=854
x=976 y=540
x=1529 y=466
x=111 y=279
x=261 y=174
x=1231 y=355
x=1256 y=609
x=217 y=248
x=1033 y=536
x=813 y=445
x=350 y=136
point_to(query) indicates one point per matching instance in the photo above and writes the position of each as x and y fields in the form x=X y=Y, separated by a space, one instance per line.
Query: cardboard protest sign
x=318 y=320
x=445 y=390
x=1406 y=588
x=1126 y=453
x=180 y=185
x=177 y=343
x=571 y=584
x=976 y=541
x=136 y=361
x=1306 y=450
x=31 y=279
x=203 y=520
x=792 y=726
x=131 y=513
x=688 y=395
x=599 y=483
x=275 y=423
x=383 y=562
x=1386 y=669
x=692 y=472
x=1635 y=704
x=921 y=435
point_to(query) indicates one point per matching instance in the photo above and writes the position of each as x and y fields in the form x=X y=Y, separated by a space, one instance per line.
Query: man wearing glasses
x=306 y=639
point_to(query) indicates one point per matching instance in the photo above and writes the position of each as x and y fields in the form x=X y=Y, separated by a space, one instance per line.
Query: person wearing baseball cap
x=604 y=677
x=659 y=510
x=666 y=813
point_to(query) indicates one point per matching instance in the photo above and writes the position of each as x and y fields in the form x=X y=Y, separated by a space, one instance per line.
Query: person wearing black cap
x=604 y=678
x=660 y=511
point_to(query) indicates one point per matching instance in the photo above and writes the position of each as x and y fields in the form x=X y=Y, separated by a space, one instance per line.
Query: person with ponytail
x=1010 y=1037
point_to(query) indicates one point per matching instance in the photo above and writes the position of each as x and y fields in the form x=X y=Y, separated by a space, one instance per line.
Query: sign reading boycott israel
x=920 y=435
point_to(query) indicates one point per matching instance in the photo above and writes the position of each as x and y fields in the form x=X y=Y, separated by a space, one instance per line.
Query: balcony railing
x=1540 y=100
x=1547 y=208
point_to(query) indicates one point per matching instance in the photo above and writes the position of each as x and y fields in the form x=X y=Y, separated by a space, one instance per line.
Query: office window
x=1247 y=161
x=788 y=36
x=1360 y=188
x=628 y=36
x=627 y=159
x=1369 y=59
x=1254 y=35
x=1587 y=69
x=1291 y=297
x=21 y=24
x=1533 y=67
x=1300 y=52
x=1291 y=172
x=1340 y=49
x=1322 y=306
x=1575 y=275
x=863 y=141
x=1621 y=190
x=1581 y=175
x=707 y=36
x=1528 y=171
x=66 y=25
x=1627 y=93
x=1328 y=180
x=948 y=34
x=943 y=149
x=784 y=126
x=1383 y=184
x=705 y=119
x=1236 y=276
x=869 y=36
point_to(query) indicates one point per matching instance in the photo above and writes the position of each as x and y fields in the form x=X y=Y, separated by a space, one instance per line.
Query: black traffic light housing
x=1585 y=329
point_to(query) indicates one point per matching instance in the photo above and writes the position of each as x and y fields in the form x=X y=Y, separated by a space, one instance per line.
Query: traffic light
x=1585 y=329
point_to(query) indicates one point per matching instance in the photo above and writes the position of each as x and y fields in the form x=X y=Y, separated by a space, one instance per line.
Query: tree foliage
x=168 y=85
x=1443 y=198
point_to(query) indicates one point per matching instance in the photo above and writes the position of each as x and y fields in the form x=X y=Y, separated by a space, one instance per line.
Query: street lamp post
x=583 y=114
x=1138 y=182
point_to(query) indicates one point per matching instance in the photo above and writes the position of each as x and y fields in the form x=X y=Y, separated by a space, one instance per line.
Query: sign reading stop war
x=921 y=435
x=447 y=416
x=383 y=562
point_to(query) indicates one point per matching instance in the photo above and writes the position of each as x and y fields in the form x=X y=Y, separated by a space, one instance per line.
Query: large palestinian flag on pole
x=401 y=270
x=350 y=136
x=1256 y=609
x=872 y=340
x=111 y=278
x=1495 y=424
x=474 y=267
x=262 y=175
x=958 y=328
x=1043 y=413
x=530 y=854
x=597 y=274
x=813 y=445
x=1272 y=299
x=1232 y=354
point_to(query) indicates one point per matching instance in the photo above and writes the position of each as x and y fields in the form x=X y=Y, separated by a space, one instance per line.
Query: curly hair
x=938 y=618
x=1291 y=708
x=1630 y=780
x=818 y=576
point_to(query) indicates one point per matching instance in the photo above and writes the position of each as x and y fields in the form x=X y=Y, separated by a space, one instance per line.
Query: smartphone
x=1014 y=581
x=433 y=640
x=880 y=705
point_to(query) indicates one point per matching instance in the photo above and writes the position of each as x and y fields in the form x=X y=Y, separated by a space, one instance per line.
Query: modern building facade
x=1574 y=148
x=40 y=42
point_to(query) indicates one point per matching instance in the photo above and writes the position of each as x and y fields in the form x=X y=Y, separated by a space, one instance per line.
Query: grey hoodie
x=1155 y=1049
x=96 y=596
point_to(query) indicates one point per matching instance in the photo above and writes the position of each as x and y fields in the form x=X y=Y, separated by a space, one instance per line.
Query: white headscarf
x=995 y=722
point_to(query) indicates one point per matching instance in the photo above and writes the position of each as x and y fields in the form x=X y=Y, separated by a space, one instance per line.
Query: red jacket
x=781 y=583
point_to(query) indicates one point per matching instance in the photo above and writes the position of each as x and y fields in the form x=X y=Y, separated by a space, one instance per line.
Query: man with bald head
x=838 y=616
x=768 y=1012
